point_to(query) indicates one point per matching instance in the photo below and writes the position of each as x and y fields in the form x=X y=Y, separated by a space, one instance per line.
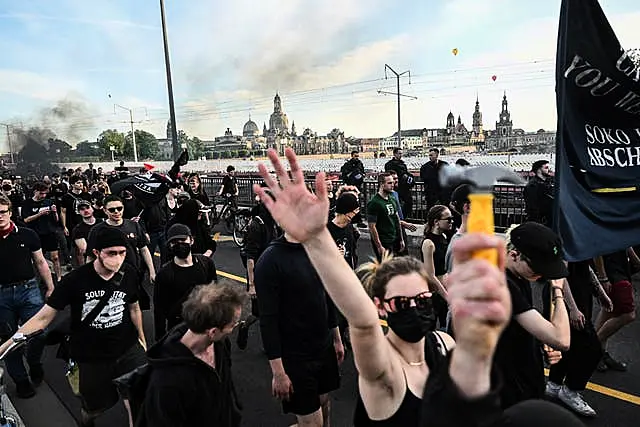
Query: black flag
x=151 y=187
x=598 y=140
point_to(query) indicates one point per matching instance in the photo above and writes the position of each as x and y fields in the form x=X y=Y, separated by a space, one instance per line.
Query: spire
x=459 y=120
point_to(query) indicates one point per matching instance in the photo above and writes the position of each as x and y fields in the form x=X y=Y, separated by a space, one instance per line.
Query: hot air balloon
x=455 y=51
x=494 y=78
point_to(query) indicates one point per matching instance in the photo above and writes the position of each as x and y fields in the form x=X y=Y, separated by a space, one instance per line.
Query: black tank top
x=408 y=413
x=441 y=243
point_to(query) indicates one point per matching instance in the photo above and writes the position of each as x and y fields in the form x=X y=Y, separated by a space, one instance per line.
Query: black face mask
x=412 y=324
x=357 y=218
x=181 y=249
x=7 y=187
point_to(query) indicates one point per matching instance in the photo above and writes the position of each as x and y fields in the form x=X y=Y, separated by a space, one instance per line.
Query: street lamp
x=113 y=149
x=133 y=133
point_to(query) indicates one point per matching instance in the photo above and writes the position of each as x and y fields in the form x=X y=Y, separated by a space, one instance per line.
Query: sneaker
x=25 y=390
x=575 y=402
x=613 y=363
x=37 y=375
x=552 y=389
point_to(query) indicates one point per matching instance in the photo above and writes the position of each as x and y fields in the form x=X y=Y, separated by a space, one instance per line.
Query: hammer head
x=480 y=177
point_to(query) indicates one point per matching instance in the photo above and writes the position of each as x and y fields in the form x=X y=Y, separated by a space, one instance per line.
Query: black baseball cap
x=178 y=231
x=82 y=203
x=346 y=203
x=542 y=247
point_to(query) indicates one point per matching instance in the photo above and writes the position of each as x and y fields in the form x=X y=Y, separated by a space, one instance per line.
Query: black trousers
x=580 y=361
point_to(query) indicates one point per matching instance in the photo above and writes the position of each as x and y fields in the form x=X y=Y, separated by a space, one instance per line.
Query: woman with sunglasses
x=434 y=250
x=393 y=369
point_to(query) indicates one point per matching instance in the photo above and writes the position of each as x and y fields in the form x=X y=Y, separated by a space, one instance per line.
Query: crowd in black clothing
x=306 y=315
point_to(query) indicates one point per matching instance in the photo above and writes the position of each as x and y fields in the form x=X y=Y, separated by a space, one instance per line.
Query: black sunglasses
x=422 y=300
x=449 y=218
x=116 y=209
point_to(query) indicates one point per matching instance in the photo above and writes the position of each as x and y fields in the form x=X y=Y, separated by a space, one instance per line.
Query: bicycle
x=235 y=220
x=18 y=340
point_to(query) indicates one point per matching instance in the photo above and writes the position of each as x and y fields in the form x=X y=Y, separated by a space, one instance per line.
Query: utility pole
x=9 y=141
x=133 y=132
x=398 y=94
x=172 y=109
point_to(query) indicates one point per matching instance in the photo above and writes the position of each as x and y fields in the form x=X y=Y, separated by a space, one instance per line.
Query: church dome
x=250 y=129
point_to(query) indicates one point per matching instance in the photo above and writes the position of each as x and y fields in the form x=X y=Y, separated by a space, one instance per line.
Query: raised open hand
x=300 y=213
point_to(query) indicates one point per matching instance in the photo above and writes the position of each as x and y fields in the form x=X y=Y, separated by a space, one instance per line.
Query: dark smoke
x=67 y=120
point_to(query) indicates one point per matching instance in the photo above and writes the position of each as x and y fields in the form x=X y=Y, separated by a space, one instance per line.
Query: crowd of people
x=442 y=339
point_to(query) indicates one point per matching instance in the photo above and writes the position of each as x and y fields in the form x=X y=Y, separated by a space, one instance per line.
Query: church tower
x=293 y=128
x=277 y=104
x=169 y=130
x=451 y=123
x=504 y=127
x=477 y=119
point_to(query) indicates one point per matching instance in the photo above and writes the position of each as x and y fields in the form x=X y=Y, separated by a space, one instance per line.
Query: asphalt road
x=617 y=403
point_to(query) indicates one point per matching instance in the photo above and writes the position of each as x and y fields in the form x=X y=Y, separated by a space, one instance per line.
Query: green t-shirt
x=384 y=213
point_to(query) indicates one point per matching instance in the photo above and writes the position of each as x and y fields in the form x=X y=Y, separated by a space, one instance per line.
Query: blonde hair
x=507 y=238
x=375 y=275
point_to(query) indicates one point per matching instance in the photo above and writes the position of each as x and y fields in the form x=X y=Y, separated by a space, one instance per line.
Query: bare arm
x=43 y=270
x=81 y=246
x=370 y=348
x=63 y=218
x=146 y=256
x=39 y=321
x=568 y=296
x=556 y=333
x=250 y=266
x=34 y=217
x=136 y=318
x=375 y=237
x=427 y=254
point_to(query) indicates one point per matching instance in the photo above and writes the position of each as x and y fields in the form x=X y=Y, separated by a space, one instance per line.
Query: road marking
x=616 y=394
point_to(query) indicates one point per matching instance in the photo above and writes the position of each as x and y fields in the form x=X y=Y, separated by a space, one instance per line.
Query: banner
x=597 y=208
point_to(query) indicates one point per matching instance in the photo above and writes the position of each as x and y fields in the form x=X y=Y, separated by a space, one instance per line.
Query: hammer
x=482 y=179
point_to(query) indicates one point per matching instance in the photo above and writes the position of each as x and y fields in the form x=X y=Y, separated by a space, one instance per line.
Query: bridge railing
x=508 y=201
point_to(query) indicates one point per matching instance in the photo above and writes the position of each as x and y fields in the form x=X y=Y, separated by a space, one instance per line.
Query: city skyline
x=230 y=59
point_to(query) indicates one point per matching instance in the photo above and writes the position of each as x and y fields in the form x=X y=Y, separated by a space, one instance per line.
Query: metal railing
x=508 y=201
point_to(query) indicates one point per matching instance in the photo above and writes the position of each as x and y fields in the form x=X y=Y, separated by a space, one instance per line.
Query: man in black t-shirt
x=70 y=212
x=136 y=239
x=177 y=278
x=41 y=215
x=20 y=296
x=230 y=186
x=113 y=343
x=533 y=252
x=80 y=232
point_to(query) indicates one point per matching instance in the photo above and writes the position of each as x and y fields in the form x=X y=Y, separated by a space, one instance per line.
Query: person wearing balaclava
x=177 y=278
x=189 y=214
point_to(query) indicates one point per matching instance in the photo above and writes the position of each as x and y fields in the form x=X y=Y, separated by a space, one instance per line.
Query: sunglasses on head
x=399 y=303
x=116 y=209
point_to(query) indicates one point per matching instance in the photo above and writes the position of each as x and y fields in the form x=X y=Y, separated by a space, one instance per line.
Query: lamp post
x=133 y=132
x=167 y=63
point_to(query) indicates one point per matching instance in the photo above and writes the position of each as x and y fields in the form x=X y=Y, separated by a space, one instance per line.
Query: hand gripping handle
x=481 y=221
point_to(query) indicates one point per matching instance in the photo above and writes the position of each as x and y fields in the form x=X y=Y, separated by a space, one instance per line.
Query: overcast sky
x=325 y=57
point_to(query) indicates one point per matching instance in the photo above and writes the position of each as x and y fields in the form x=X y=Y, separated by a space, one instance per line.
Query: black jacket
x=538 y=198
x=184 y=391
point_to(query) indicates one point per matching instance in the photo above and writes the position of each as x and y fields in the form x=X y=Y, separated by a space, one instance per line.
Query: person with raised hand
x=410 y=376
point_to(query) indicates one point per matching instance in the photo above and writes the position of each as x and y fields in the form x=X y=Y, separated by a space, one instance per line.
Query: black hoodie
x=296 y=314
x=184 y=391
